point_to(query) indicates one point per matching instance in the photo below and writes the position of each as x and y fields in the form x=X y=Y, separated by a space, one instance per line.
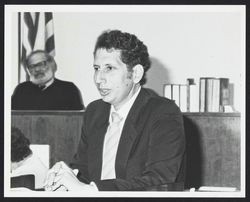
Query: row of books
x=214 y=94
x=210 y=95
x=178 y=93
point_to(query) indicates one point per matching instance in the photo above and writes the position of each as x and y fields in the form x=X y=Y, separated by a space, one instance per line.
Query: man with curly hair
x=23 y=161
x=145 y=131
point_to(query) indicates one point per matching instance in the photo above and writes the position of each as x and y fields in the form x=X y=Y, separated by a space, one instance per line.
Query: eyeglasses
x=41 y=65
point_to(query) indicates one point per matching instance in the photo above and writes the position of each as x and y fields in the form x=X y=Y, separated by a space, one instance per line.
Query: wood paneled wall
x=213 y=149
x=213 y=142
x=61 y=130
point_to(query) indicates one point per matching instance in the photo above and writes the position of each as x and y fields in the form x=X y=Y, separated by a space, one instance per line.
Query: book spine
x=216 y=96
x=167 y=91
x=183 y=98
x=188 y=98
x=190 y=82
x=202 y=90
x=208 y=94
x=176 y=94
x=224 y=92
x=194 y=98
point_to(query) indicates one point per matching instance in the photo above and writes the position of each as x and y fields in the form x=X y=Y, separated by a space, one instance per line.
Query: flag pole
x=19 y=47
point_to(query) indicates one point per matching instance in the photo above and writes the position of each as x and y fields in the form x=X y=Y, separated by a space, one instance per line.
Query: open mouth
x=104 y=92
x=39 y=75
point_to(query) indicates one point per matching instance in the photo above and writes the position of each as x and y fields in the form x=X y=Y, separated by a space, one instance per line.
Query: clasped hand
x=62 y=178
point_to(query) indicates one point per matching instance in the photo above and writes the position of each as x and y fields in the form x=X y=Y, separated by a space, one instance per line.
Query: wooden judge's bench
x=213 y=142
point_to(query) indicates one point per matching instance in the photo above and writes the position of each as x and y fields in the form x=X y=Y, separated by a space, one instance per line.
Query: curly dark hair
x=19 y=145
x=133 y=51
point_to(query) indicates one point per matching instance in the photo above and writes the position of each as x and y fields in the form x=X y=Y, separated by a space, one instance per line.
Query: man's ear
x=54 y=66
x=138 y=72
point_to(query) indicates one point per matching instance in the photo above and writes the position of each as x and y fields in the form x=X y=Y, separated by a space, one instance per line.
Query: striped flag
x=37 y=33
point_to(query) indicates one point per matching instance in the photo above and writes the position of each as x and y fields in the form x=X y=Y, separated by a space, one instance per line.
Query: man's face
x=41 y=70
x=112 y=78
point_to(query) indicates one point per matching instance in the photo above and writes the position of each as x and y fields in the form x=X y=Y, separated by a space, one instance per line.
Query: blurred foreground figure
x=23 y=161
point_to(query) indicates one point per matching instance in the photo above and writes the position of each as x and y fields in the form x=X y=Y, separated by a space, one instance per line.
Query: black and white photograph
x=124 y=101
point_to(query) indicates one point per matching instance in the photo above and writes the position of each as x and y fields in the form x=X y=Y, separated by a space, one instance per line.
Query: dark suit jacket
x=151 y=149
x=60 y=95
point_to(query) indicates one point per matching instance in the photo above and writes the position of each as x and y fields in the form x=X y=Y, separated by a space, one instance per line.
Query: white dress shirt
x=46 y=85
x=123 y=113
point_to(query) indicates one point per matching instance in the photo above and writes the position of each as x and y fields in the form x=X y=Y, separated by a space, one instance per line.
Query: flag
x=37 y=33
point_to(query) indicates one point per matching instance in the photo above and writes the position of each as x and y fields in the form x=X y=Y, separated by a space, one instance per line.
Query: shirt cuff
x=75 y=171
x=93 y=185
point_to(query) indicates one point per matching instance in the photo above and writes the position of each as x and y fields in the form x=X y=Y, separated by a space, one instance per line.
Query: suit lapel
x=129 y=134
x=96 y=143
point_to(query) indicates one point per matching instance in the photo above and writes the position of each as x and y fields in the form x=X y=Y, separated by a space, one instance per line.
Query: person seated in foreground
x=132 y=139
x=23 y=161
x=44 y=91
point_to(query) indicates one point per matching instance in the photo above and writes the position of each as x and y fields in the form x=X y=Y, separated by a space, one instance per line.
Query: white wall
x=181 y=44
